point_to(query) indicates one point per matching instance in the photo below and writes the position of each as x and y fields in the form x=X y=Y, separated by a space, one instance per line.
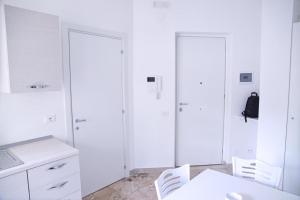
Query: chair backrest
x=257 y=170
x=243 y=168
x=170 y=180
x=267 y=174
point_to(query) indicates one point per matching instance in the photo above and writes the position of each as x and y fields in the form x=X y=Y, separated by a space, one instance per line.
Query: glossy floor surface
x=140 y=185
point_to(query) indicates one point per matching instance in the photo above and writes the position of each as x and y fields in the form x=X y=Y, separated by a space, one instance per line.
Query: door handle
x=38 y=86
x=183 y=104
x=80 y=120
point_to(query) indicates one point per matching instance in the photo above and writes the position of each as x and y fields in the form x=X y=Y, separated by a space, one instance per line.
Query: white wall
x=22 y=115
x=154 y=54
x=275 y=68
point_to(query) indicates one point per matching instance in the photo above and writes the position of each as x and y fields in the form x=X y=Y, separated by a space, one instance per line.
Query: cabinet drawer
x=53 y=171
x=73 y=196
x=57 y=189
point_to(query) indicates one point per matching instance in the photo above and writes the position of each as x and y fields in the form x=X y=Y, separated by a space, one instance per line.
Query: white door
x=200 y=100
x=97 y=102
x=291 y=181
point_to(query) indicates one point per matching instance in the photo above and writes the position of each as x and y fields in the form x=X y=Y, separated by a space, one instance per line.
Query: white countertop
x=37 y=153
x=212 y=185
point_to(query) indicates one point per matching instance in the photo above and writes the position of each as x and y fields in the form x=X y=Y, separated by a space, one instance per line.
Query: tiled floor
x=140 y=185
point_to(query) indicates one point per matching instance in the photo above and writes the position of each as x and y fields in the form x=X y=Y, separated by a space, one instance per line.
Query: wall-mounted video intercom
x=155 y=85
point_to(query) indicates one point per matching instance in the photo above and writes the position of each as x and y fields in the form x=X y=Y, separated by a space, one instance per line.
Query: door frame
x=66 y=29
x=227 y=90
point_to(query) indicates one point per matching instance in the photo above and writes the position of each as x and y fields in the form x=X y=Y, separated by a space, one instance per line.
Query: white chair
x=257 y=171
x=170 y=180
x=267 y=174
x=243 y=168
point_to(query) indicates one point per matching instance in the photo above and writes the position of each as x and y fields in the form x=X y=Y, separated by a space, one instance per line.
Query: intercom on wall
x=155 y=85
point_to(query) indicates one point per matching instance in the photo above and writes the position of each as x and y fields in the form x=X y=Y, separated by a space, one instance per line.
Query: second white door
x=201 y=64
x=97 y=103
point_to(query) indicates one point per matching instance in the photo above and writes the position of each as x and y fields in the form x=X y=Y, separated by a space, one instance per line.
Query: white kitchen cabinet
x=55 y=180
x=58 y=189
x=14 y=187
x=30 y=51
x=50 y=170
x=73 y=196
x=53 y=171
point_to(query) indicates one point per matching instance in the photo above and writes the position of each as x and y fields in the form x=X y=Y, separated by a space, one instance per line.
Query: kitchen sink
x=8 y=159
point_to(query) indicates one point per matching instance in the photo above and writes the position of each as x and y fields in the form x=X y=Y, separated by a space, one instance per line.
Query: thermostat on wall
x=246 y=77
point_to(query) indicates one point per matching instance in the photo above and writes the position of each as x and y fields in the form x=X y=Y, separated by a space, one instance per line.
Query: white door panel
x=200 y=100
x=292 y=154
x=97 y=102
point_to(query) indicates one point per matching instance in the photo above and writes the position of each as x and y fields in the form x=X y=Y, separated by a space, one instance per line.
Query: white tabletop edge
x=214 y=185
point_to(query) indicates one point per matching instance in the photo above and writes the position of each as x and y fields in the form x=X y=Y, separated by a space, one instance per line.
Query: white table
x=212 y=185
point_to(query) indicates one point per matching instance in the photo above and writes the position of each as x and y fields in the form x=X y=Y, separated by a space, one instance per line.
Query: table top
x=213 y=185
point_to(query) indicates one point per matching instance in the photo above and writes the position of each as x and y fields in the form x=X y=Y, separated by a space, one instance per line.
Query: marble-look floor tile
x=140 y=184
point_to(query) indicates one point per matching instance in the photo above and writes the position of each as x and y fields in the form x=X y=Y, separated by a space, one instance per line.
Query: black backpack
x=252 y=106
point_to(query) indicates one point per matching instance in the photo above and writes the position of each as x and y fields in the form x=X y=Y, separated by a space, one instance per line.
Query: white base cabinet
x=14 y=187
x=73 y=196
x=58 y=189
x=54 y=181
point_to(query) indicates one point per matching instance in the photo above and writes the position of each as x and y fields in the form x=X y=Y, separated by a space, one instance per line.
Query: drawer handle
x=57 y=166
x=39 y=86
x=59 y=186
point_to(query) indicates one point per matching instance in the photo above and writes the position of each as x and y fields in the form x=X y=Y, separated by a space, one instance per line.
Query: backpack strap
x=245 y=116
